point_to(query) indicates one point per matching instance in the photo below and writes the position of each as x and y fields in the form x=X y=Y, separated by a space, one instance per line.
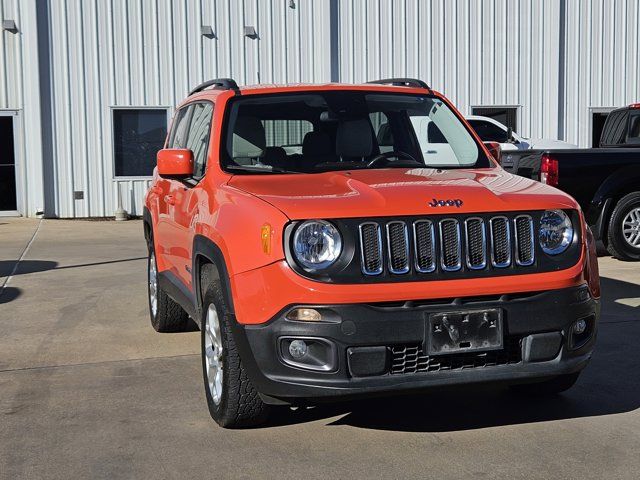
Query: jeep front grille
x=524 y=240
x=398 y=246
x=446 y=245
x=450 y=247
x=371 y=248
x=476 y=243
x=425 y=246
x=500 y=242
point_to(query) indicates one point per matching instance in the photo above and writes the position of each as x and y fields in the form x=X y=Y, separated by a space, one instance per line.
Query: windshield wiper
x=258 y=169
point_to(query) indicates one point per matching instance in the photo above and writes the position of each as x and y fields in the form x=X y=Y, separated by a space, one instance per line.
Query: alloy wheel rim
x=153 y=285
x=213 y=353
x=631 y=227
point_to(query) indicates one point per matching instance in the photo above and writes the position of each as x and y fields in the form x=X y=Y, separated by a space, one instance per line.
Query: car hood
x=395 y=192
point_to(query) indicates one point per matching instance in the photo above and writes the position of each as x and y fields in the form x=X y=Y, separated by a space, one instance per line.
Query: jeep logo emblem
x=456 y=202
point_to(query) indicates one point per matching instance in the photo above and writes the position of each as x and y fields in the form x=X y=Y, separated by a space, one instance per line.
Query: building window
x=508 y=116
x=138 y=134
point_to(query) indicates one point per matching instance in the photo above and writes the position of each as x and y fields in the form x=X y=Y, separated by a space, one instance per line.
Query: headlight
x=556 y=232
x=316 y=244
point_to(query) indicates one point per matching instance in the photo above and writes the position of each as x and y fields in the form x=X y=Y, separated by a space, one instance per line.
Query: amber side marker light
x=304 y=315
x=265 y=238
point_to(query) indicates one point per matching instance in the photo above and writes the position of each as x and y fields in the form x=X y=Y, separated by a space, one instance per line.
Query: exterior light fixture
x=207 y=31
x=250 y=32
x=9 y=25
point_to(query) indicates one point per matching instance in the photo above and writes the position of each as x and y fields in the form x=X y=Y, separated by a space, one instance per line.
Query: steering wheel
x=387 y=155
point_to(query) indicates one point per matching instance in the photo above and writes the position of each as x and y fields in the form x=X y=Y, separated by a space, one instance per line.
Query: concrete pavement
x=88 y=389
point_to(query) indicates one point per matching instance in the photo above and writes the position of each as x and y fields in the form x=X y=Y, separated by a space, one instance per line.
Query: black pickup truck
x=605 y=181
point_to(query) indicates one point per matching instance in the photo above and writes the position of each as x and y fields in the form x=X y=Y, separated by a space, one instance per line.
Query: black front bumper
x=538 y=343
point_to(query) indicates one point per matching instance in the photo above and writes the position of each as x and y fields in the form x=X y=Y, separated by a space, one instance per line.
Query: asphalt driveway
x=89 y=390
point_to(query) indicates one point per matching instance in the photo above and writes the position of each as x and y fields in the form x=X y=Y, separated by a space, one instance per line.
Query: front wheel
x=624 y=228
x=552 y=386
x=232 y=399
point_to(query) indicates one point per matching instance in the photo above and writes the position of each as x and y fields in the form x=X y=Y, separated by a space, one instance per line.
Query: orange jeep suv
x=337 y=240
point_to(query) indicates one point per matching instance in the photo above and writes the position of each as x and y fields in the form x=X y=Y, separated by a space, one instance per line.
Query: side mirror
x=495 y=151
x=175 y=163
x=510 y=135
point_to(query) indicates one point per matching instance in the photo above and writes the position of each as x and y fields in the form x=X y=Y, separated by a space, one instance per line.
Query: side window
x=178 y=138
x=615 y=128
x=634 y=129
x=198 y=138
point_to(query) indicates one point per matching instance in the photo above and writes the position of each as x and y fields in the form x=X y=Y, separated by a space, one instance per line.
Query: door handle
x=170 y=199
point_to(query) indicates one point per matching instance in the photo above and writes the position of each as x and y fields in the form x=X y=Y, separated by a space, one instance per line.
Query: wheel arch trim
x=205 y=248
x=610 y=192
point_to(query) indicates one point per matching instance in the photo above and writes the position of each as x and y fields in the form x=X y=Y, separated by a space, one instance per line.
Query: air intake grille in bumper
x=412 y=359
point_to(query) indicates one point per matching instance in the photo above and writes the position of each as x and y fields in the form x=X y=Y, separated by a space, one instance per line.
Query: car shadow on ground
x=8 y=294
x=35 y=266
x=609 y=385
x=25 y=266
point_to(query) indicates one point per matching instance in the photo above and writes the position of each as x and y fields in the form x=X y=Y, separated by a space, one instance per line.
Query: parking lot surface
x=89 y=390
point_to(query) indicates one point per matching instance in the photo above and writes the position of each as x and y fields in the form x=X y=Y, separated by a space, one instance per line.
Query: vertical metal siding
x=603 y=61
x=117 y=53
x=19 y=92
x=491 y=52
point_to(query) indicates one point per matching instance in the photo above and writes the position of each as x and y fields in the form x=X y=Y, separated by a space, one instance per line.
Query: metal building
x=87 y=86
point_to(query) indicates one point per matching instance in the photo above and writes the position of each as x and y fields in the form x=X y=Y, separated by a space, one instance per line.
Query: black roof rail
x=402 y=82
x=221 y=83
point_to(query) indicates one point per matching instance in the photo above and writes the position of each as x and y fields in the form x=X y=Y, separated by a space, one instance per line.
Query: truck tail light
x=549 y=171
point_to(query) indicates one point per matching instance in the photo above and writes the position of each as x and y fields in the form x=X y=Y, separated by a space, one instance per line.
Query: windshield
x=338 y=130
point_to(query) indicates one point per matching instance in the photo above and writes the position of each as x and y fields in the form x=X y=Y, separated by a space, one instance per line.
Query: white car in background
x=490 y=130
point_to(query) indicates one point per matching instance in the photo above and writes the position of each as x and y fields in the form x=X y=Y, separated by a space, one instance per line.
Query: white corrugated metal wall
x=555 y=59
x=116 y=53
x=602 y=61
x=19 y=98
x=493 y=52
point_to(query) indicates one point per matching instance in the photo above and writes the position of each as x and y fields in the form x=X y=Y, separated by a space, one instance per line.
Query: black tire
x=169 y=316
x=239 y=404
x=617 y=245
x=552 y=386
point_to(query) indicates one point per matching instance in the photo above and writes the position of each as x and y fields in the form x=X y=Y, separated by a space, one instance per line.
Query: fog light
x=304 y=315
x=579 y=327
x=298 y=349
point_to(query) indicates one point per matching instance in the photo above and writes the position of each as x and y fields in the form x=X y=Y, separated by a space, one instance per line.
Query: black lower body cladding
x=382 y=348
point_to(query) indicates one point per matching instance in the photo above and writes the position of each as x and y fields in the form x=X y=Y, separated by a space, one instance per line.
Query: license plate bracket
x=465 y=331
